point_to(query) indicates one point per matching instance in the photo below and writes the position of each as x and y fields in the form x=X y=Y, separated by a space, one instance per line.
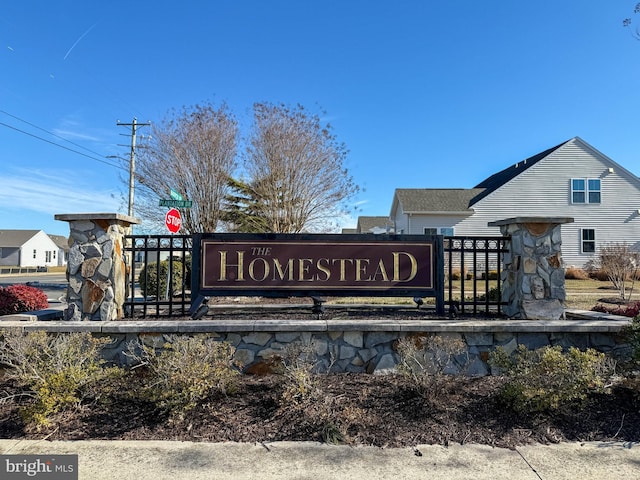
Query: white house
x=572 y=179
x=63 y=248
x=29 y=248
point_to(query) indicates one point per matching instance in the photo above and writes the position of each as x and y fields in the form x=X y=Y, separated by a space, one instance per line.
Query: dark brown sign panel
x=288 y=265
x=318 y=266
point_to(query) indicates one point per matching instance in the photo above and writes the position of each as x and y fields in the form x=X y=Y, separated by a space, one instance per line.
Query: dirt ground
x=346 y=408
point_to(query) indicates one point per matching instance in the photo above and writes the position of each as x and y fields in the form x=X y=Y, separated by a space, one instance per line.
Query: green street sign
x=175 y=195
x=167 y=202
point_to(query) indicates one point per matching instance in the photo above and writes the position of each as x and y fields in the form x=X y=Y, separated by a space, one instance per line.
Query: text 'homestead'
x=317 y=266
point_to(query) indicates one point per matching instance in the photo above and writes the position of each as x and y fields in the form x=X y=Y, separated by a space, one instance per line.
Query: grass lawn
x=581 y=294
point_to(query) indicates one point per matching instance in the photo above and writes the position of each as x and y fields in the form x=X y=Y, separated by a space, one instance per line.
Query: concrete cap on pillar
x=112 y=217
x=511 y=221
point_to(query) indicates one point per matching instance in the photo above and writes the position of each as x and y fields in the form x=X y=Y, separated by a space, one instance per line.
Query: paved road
x=53 y=284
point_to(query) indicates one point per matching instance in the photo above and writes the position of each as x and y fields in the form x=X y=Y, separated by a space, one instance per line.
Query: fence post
x=96 y=268
x=532 y=274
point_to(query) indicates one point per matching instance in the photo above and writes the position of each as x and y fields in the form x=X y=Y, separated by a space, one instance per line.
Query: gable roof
x=497 y=180
x=61 y=241
x=369 y=224
x=432 y=200
x=460 y=201
x=16 y=238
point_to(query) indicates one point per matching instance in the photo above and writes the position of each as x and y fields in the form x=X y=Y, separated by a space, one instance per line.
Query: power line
x=50 y=133
x=62 y=146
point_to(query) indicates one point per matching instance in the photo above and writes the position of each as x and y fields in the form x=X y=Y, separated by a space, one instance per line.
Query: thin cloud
x=78 y=41
x=75 y=135
x=71 y=127
x=51 y=193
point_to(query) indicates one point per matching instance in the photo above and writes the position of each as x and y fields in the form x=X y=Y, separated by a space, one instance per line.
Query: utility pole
x=132 y=158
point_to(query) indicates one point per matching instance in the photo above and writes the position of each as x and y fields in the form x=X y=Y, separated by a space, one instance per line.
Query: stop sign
x=173 y=220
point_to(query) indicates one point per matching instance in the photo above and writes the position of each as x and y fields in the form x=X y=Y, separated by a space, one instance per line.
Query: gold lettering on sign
x=382 y=271
x=223 y=265
x=342 y=262
x=361 y=268
x=303 y=269
x=249 y=265
x=252 y=269
x=281 y=273
x=323 y=266
x=396 y=267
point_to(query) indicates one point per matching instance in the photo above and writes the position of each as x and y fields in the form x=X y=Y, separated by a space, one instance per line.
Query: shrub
x=598 y=274
x=424 y=358
x=573 y=273
x=299 y=361
x=627 y=310
x=148 y=278
x=547 y=378
x=304 y=397
x=632 y=334
x=185 y=370
x=494 y=295
x=619 y=263
x=457 y=274
x=21 y=298
x=490 y=275
x=57 y=371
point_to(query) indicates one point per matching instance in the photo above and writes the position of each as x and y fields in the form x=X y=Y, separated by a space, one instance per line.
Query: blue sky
x=425 y=93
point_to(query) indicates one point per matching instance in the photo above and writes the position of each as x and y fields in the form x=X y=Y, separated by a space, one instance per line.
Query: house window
x=34 y=253
x=446 y=231
x=588 y=240
x=585 y=190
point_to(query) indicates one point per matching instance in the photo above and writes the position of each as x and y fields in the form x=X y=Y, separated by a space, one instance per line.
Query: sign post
x=173 y=221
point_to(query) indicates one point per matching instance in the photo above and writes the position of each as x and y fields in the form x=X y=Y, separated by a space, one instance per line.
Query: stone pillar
x=96 y=267
x=533 y=274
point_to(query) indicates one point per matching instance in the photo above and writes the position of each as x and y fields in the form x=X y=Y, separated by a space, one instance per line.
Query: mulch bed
x=381 y=410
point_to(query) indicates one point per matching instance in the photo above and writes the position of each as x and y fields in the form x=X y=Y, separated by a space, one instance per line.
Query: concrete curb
x=158 y=460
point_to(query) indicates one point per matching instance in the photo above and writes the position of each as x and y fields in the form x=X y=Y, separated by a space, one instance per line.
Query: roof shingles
x=422 y=200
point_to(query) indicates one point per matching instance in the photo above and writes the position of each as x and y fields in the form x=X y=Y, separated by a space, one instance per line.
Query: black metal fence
x=159 y=284
x=473 y=273
x=160 y=275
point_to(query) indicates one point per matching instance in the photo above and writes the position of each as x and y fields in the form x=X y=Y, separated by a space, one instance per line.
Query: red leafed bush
x=626 y=310
x=21 y=298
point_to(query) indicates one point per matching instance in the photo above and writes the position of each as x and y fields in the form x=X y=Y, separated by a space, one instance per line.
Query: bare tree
x=296 y=169
x=193 y=152
x=620 y=263
x=627 y=23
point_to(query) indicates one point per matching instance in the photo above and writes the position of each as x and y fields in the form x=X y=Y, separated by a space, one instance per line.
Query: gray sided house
x=29 y=248
x=572 y=179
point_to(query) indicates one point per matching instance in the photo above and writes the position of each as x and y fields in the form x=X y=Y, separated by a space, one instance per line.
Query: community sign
x=279 y=265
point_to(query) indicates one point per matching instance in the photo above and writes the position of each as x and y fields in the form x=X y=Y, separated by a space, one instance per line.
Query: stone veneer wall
x=532 y=270
x=375 y=351
x=96 y=267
